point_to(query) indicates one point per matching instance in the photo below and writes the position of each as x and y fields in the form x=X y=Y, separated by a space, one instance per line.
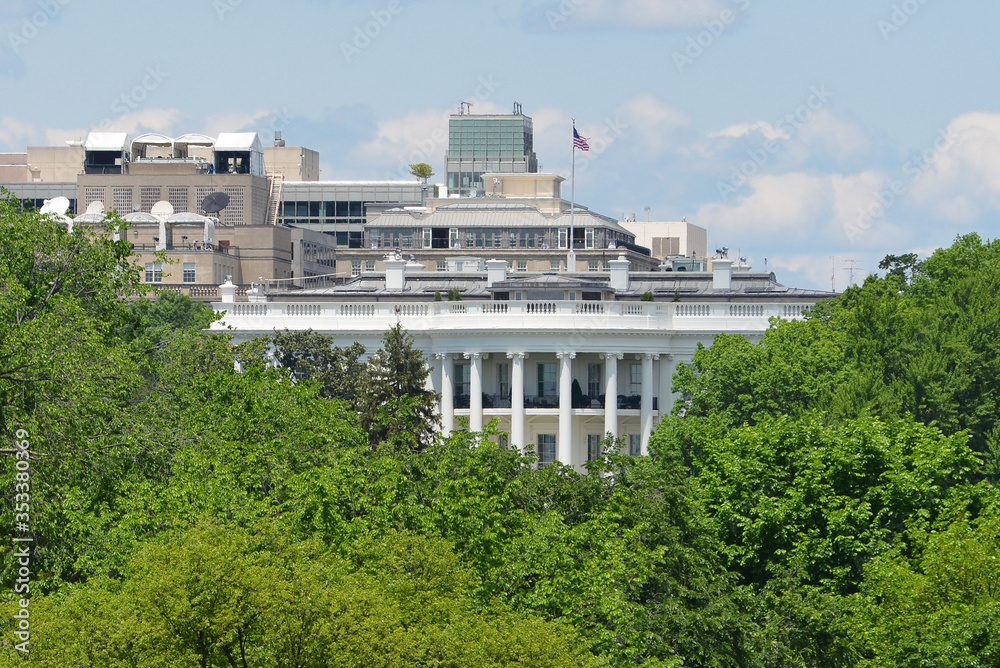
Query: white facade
x=517 y=361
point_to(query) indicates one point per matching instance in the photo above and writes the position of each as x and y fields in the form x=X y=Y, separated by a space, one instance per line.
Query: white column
x=646 y=404
x=665 y=398
x=429 y=383
x=611 y=393
x=517 y=400
x=475 y=391
x=564 y=447
x=447 y=395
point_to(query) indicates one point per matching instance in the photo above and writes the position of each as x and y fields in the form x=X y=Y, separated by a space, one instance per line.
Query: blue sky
x=792 y=131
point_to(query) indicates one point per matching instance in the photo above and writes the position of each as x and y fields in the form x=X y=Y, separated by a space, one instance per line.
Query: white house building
x=559 y=360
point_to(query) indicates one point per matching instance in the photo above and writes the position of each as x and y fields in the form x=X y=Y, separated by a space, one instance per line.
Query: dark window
x=546 y=449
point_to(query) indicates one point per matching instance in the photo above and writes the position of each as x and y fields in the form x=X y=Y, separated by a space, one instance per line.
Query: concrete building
x=665 y=239
x=523 y=220
x=559 y=360
x=341 y=208
x=159 y=185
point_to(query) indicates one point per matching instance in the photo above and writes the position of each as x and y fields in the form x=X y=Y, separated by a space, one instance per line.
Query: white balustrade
x=351 y=316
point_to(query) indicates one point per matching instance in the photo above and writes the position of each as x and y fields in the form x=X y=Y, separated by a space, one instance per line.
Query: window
x=588 y=237
x=522 y=265
x=634 y=445
x=189 y=272
x=369 y=265
x=554 y=265
x=442 y=265
x=593 y=447
x=503 y=441
x=503 y=380
x=593 y=380
x=592 y=265
x=546 y=449
x=470 y=239
x=154 y=272
x=453 y=238
x=635 y=378
x=356 y=268
x=547 y=380
x=513 y=240
x=462 y=379
x=427 y=237
x=563 y=233
x=607 y=265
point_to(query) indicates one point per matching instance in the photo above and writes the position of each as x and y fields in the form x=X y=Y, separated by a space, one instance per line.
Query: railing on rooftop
x=572 y=314
x=189 y=248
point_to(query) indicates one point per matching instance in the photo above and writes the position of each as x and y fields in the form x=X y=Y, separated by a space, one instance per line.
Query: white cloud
x=797 y=207
x=958 y=174
x=741 y=129
x=420 y=136
x=17 y=134
x=145 y=120
x=651 y=121
x=235 y=121
x=629 y=13
x=826 y=134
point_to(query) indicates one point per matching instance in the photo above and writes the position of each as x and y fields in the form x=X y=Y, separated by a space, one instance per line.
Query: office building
x=487 y=143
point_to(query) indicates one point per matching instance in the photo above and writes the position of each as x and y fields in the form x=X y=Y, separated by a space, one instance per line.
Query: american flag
x=580 y=142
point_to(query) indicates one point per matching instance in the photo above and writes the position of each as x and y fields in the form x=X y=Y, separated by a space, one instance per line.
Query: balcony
x=625 y=402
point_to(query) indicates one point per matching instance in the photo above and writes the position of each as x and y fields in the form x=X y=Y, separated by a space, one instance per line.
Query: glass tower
x=483 y=143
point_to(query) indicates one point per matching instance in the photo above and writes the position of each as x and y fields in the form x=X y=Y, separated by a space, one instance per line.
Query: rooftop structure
x=484 y=143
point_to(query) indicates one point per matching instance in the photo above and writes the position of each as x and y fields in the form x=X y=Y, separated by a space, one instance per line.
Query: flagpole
x=570 y=255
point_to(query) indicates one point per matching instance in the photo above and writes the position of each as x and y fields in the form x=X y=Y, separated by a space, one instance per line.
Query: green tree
x=216 y=595
x=422 y=170
x=169 y=315
x=824 y=499
x=935 y=599
x=308 y=354
x=396 y=407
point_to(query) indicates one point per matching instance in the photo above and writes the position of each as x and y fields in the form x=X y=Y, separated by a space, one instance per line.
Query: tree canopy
x=821 y=498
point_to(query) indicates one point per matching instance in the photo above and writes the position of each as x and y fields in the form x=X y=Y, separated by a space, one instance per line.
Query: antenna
x=649 y=215
x=465 y=108
x=57 y=206
x=851 y=265
x=833 y=273
x=215 y=202
x=162 y=209
x=517 y=108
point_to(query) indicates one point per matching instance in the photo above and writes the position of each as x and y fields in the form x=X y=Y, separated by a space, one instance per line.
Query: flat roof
x=106 y=141
x=238 y=141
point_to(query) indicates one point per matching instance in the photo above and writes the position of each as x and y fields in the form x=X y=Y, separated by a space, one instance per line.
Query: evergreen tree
x=395 y=405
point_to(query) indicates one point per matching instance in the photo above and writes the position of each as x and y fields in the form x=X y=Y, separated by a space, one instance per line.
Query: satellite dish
x=215 y=203
x=58 y=206
x=96 y=208
x=162 y=209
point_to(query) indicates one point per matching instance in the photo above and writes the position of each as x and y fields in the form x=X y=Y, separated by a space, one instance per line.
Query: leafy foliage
x=814 y=500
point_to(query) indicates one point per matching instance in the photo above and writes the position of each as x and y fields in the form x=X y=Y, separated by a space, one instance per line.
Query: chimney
x=395 y=274
x=496 y=271
x=619 y=273
x=228 y=290
x=722 y=274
